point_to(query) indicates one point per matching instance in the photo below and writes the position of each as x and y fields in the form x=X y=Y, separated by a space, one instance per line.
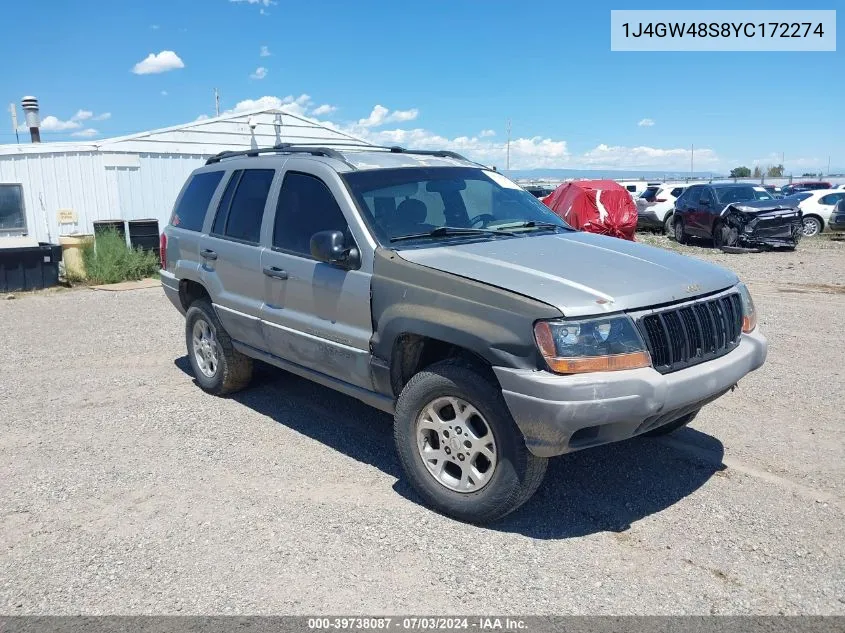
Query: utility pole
x=828 y=165
x=508 y=157
x=691 y=160
x=216 y=103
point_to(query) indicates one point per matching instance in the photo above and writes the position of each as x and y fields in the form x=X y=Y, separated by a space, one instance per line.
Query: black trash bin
x=119 y=226
x=29 y=267
x=144 y=234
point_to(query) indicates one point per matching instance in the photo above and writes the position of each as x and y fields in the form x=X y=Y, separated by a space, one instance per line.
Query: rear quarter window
x=190 y=211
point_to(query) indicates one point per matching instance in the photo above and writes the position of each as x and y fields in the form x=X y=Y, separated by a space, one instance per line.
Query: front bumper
x=561 y=414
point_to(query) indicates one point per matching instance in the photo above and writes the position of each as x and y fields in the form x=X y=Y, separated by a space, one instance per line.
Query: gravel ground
x=125 y=489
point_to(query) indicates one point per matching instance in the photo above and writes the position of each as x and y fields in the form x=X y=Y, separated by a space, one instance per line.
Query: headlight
x=600 y=344
x=749 y=313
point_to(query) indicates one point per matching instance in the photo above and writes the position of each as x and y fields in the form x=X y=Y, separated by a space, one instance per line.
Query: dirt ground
x=125 y=489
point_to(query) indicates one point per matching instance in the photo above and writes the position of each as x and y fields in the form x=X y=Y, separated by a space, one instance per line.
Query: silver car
x=433 y=288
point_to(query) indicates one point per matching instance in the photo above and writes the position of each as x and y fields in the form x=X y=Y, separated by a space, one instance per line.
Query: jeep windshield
x=428 y=205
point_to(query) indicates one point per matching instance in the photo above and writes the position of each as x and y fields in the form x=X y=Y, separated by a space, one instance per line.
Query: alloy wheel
x=456 y=444
x=205 y=348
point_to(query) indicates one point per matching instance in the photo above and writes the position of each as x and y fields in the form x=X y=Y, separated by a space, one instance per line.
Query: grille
x=681 y=337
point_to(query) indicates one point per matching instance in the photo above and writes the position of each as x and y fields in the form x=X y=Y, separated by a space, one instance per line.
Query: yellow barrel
x=72 y=254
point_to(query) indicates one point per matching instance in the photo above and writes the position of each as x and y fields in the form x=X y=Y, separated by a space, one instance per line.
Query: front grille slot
x=681 y=337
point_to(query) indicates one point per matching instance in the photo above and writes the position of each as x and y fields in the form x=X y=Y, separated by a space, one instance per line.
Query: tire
x=680 y=235
x=516 y=472
x=812 y=226
x=669 y=225
x=722 y=236
x=673 y=426
x=231 y=371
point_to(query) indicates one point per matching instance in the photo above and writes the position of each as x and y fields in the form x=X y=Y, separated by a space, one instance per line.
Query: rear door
x=231 y=254
x=315 y=314
x=687 y=205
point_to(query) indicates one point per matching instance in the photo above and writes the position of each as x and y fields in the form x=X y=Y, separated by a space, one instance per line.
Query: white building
x=53 y=189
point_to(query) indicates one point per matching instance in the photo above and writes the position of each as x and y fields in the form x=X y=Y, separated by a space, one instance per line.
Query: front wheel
x=669 y=226
x=459 y=446
x=680 y=235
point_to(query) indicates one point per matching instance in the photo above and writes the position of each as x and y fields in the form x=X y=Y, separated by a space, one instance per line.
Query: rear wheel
x=680 y=235
x=218 y=367
x=812 y=226
x=459 y=446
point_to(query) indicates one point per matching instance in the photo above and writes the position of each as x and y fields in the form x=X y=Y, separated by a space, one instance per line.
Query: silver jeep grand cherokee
x=435 y=289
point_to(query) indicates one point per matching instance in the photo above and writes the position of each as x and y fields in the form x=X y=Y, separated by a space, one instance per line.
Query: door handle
x=276 y=273
x=208 y=254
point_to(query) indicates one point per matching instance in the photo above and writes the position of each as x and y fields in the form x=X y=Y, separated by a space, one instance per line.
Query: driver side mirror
x=329 y=247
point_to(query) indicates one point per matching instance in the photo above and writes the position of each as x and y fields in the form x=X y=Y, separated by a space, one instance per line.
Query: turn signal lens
x=749 y=312
x=600 y=344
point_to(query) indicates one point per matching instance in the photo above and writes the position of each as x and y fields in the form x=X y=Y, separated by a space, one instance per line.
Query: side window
x=246 y=209
x=677 y=191
x=12 y=217
x=306 y=206
x=831 y=198
x=225 y=202
x=707 y=193
x=631 y=188
x=190 y=212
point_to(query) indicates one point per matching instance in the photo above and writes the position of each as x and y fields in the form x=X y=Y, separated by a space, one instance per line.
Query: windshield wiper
x=530 y=224
x=446 y=231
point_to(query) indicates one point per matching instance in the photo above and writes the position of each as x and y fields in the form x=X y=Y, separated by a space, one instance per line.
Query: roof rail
x=440 y=153
x=281 y=148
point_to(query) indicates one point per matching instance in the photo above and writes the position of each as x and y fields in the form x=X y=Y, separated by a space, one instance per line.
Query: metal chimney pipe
x=33 y=121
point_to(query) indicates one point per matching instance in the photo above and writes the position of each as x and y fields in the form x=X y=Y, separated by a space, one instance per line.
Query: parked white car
x=656 y=204
x=817 y=209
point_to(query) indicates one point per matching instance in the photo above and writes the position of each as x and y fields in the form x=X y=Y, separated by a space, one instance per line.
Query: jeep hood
x=579 y=273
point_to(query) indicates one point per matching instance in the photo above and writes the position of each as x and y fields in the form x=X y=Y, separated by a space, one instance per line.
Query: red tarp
x=596 y=206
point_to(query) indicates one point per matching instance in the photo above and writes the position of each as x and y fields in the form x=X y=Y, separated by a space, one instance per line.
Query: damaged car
x=737 y=216
x=758 y=225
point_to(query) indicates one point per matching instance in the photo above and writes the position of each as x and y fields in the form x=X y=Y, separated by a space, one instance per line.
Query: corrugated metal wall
x=85 y=183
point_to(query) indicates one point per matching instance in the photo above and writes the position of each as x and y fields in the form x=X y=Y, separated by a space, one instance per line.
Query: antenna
x=216 y=103
x=508 y=157
x=14 y=110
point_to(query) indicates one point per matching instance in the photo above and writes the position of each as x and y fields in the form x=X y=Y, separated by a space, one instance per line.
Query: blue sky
x=445 y=73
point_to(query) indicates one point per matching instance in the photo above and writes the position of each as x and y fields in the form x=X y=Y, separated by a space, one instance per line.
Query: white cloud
x=260 y=73
x=102 y=117
x=53 y=124
x=164 y=93
x=160 y=63
x=486 y=133
x=620 y=157
x=323 y=110
x=155 y=27
x=86 y=133
x=265 y=52
x=381 y=116
x=294 y=105
x=82 y=115
x=646 y=122
x=791 y=164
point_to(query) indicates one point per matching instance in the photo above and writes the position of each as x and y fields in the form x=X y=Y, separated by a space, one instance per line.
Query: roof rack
x=281 y=148
x=290 y=148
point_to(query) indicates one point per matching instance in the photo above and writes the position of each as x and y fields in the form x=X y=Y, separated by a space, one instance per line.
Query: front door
x=230 y=255
x=315 y=314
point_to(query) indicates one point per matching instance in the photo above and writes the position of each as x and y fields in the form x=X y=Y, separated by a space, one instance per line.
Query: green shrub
x=109 y=260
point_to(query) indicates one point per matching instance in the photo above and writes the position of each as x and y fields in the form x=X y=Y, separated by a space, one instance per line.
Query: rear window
x=189 y=214
x=650 y=194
